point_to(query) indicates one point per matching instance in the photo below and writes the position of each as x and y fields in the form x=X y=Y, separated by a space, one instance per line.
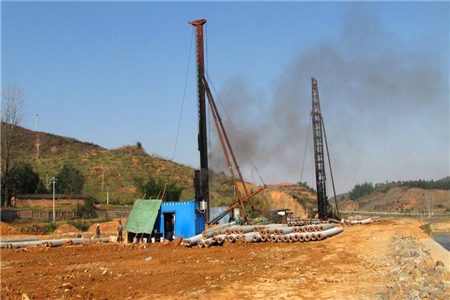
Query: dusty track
x=352 y=265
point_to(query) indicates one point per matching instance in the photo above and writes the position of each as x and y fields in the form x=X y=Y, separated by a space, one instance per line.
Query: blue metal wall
x=215 y=211
x=188 y=220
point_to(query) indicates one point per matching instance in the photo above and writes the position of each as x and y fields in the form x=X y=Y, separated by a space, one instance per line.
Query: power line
x=184 y=94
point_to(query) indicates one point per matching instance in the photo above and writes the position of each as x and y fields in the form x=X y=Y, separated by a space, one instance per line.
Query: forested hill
x=103 y=169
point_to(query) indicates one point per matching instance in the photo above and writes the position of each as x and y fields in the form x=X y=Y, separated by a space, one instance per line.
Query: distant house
x=154 y=218
x=46 y=200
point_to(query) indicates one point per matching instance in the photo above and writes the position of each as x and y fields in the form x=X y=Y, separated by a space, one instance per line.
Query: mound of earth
x=7 y=229
x=66 y=228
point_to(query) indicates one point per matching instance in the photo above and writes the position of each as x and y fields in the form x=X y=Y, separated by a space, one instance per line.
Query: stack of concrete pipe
x=207 y=234
x=275 y=233
x=20 y=243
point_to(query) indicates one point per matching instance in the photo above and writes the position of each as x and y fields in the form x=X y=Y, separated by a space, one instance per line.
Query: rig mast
x=201 y=180
x=319 y=154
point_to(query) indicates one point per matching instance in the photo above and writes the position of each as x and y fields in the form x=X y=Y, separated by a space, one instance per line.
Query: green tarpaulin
x=143 y=216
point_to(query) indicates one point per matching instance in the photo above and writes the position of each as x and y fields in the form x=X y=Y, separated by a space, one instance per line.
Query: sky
x=115 y=73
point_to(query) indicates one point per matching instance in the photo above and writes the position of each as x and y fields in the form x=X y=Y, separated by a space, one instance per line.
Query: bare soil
x=351 y=265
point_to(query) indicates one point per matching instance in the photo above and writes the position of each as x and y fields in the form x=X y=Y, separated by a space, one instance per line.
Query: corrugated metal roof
x=143 y=216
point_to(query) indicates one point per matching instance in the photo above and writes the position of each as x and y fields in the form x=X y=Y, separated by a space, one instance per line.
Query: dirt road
x=351 y=265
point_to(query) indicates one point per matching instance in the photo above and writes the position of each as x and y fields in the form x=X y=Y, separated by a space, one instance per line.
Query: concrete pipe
x=320 y=236
x=192 y=241
x=366 y=221
x=333 y=231
x=207 y=243
x=273 y=238
x=209 y=232
x=200 y=244
x=20 y=244
x=291 y=238
x=276 y=225
x=247 y=229
x=231 y=238
x=285 y=239
x=316 y=228
x=220 y=239
x=313 y=236
x=279 y=238
x=297 y=237
x=263 y=238
x=6 y=241
x=323 y=227
x=301 y=237
x=306 y=236
x=256 y=238
x=221 y=227
x=286 y=230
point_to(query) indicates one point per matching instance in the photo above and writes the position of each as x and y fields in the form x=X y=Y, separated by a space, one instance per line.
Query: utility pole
x=202 y=177
x=37 y=137
x=107 y=196
x=53 y=180
x=103 y=180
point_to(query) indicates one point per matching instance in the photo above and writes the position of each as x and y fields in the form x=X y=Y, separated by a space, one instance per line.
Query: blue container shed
x=185 y=217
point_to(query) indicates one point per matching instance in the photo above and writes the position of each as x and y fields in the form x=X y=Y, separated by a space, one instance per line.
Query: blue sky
x=113 y=73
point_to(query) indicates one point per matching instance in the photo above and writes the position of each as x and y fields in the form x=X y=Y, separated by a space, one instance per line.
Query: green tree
x=155 y=188
x=70 y=180
x=361 y=190
x=22 y=179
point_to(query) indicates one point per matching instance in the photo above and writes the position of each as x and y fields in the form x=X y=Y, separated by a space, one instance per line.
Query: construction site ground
x=352 y=265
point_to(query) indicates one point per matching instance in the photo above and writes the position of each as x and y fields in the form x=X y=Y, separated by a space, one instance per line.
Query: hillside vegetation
x=116 y=170
x=399 y=198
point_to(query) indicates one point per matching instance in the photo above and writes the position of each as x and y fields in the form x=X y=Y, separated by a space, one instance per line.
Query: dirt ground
x=351 y=265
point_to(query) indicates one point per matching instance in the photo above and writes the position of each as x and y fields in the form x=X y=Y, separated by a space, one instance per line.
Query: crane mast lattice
x=319 y=154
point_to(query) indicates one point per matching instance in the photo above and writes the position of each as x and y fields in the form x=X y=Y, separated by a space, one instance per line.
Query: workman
x=119 y=232
x=97 y=231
